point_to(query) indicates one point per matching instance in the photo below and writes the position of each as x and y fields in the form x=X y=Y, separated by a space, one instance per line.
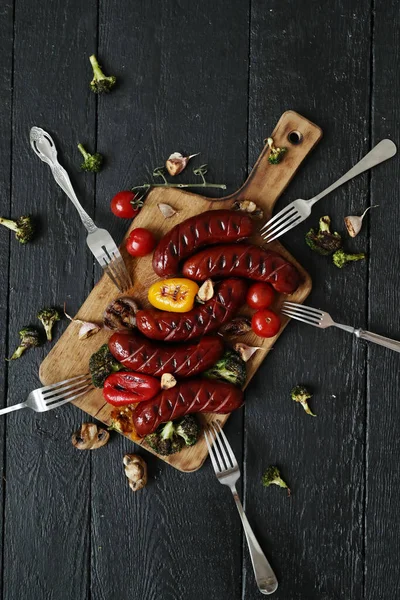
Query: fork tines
x=221 y=453
x=113 y=264
x=64 y=391
x=281 y=223
x=306 y=314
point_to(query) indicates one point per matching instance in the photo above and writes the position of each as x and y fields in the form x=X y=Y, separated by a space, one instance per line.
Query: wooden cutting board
x=70 y=357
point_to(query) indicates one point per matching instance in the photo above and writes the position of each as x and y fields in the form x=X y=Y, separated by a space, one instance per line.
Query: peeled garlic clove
x=354 y=222
x=206 y=291
x=177 y=162
x=166 y=210
x=246 y=351
x=167 y=381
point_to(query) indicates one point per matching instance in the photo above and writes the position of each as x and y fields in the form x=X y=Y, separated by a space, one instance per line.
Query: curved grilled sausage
x=179 y=327
x=244 y=260
x=191 y=396
x=138 y=353
x=211 y=227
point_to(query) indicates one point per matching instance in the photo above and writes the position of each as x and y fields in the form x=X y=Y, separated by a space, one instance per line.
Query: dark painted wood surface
x=210 y=77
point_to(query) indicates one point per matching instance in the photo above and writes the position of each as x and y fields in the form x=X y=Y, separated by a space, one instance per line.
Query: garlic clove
x=167 y=381
x=206 y=291
x=166 y=210
x=245 y=351
x=354 y=222
x=87 y=330
x=177 y=162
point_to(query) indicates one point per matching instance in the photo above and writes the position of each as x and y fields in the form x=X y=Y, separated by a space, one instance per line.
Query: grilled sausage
x=243 y=260
x=138 y=353
x=212 y=227
x=180 y=327
x=191 y=396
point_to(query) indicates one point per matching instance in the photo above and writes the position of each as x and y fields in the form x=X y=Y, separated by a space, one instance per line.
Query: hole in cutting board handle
x=295 y=138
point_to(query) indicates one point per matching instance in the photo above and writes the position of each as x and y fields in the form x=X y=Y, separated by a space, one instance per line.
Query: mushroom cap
x=90 y=437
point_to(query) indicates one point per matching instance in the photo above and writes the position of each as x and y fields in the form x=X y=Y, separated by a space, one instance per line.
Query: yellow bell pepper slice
x=174 y=295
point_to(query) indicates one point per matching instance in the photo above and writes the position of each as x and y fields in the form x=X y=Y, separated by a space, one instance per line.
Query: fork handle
x=62 y=178
x=378 y=339
x=266 y=580
x=8 y=409
x=381 y=152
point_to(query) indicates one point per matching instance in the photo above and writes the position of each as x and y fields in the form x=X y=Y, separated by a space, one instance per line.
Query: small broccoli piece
x=172 y=436
x=273 y=476
x=92 y=162
x=23 y=227
x=102 y=364
x=301 y=394
x=30 y=337
x=100 y=84
x=324 y=241
x=231 y=367
x=341 y=258
x=48 y=316
x=276 y=155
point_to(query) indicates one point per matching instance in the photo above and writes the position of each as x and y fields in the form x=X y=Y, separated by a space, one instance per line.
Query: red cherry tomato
x=140 y=242
x=123 y=205
x=260 y=295
x=265 y=323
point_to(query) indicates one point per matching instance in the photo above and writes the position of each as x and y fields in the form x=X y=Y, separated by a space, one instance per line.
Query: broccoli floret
x=273 y=476
x=301 y=394
x=30 y=337
x=172 y=436
x=341 y=258
x=48 y=316
x=102 y=364
x=276 y=155
x=100 y=84
x=23 y=227
x=231 y=367
x=91 y=162
x=324 y=241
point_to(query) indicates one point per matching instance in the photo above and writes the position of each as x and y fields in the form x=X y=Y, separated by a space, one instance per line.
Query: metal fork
x=318 y=318
x=99 y=241
x=54 y=395
x=227 y=471
x=298 y=210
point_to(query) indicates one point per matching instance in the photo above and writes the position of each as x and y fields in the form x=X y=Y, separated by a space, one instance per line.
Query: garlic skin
x=87 y=328
x=177 y=162
x=166 y=210
x=354 y=222
x=245 y=351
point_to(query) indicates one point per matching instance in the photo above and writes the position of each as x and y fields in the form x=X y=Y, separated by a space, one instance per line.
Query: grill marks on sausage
x=212 y=227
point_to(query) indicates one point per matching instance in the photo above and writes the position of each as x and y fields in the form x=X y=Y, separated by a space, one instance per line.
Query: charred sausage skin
x=243 y=260
x=191 y=396
x=229 y=296
x=142 y=355
x=211 y=227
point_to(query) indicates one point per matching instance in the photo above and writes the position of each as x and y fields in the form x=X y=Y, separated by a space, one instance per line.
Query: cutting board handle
x=266 y=182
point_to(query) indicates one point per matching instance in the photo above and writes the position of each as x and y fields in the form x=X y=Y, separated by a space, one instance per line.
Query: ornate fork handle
x=61 y=177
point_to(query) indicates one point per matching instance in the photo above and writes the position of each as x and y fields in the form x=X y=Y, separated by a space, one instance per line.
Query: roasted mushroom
x=90 y=437
x=120 y=314
x=136 y=471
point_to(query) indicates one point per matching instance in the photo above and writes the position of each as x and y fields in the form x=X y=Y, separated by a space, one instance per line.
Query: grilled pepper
x=173 y=295
x=121 y=389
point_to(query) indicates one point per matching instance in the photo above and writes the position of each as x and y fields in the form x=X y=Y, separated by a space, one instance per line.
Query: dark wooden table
x=212 y=77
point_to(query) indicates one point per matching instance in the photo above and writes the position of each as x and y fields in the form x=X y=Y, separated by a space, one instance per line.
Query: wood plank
x=168 y=55
x=263 y=186
x=46 y=544
x=382 y=519
x=315 y=62
x=6 y=59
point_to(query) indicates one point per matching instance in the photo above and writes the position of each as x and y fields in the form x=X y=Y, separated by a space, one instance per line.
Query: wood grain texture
x=47 y=503
x=382 y=519
x=264 y=186
x=315 y=538
x=6 y=97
